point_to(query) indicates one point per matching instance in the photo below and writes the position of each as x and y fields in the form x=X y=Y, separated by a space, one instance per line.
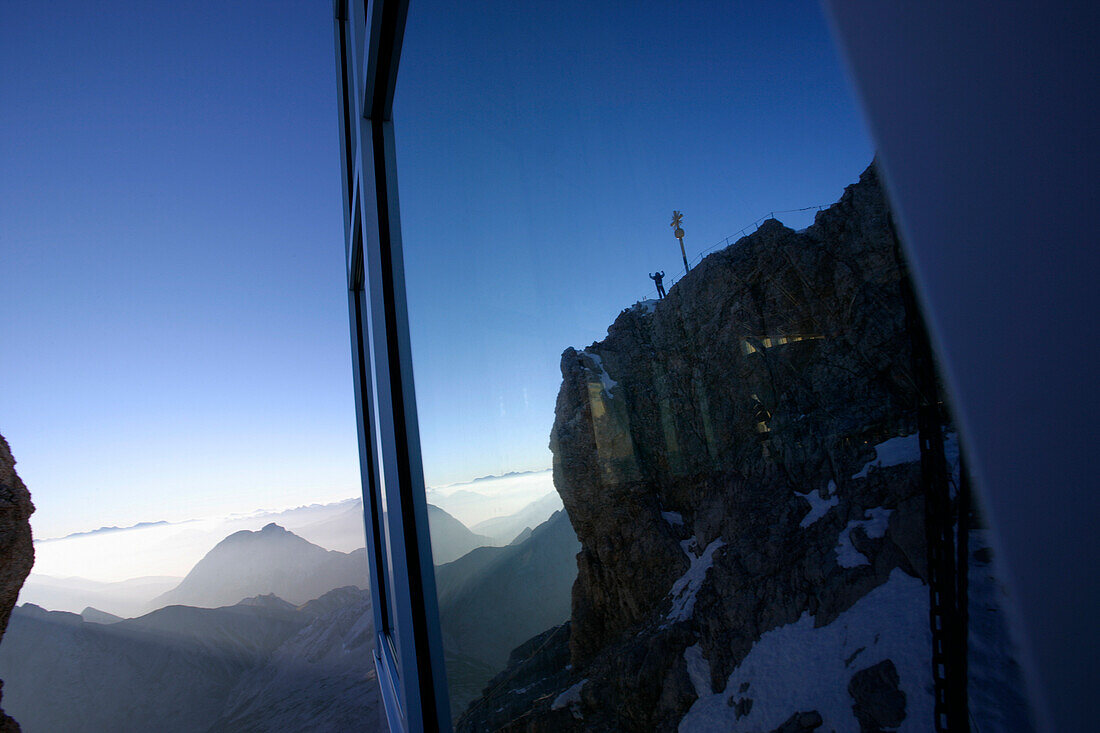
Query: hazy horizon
x=354 y=495
x=171 y=548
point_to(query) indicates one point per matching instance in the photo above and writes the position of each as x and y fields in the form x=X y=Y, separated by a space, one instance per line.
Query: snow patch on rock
x=874 y=525
x=605 y=378
x=687 y=586
x=698 y=669
x=571 y=699
x=818 y=506
x=893 y=452
x=799 y=667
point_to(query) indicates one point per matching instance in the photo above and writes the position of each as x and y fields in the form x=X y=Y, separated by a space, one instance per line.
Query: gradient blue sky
x=172 y=314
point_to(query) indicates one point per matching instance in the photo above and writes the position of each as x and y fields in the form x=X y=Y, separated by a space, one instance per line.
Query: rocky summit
x=740 y=465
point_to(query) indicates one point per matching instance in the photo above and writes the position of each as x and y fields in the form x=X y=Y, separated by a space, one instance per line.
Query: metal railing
x=732 y=239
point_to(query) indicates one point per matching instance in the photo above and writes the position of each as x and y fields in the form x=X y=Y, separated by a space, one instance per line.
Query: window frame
x=408 y=643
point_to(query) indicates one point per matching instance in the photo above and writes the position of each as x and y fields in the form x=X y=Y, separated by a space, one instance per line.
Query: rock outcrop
x=16 y=546
x=716 y=455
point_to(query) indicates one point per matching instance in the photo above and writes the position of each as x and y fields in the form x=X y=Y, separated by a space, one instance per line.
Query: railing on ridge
x=731 y=239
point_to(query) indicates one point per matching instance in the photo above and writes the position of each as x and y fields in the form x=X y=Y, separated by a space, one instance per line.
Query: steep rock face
x=695 y=407
x=703 y=378
x=16 y=545
x=711 y=453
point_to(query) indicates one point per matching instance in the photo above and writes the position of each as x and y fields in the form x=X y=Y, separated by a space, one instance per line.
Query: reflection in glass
x=756 y=515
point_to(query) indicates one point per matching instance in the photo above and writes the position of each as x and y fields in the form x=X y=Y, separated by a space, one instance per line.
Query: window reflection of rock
x=754 y=346
x=734 y=446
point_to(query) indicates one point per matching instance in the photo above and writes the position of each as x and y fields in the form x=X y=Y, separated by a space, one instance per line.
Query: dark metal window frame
x=409 y=646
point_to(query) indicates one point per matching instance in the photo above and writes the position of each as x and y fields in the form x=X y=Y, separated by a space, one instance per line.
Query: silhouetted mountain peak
x=268 y=600
x=522 y=536
x=95 y=616
x=336 y=598
x=451 y=538
x=272 y=560
x=269 y=532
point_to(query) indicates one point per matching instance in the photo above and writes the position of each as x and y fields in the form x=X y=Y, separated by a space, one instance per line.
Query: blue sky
x=173 y=315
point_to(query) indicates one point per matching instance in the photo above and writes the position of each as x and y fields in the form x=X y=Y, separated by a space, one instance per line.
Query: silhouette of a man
x=658 y=279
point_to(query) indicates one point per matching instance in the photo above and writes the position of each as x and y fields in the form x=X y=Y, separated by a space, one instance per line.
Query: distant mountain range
x=207 y=660
x=450 y=538
x=105 y=530
x=336 y=527
x=494 y=598
x=262 y=664
x=271 y=560
x=504 y=530
x=510 y=474
x=296 y=519
x=320 y=679
x=170 y=548
x=248 y=563
x=473 y=502
x=95 y=616
x=276 y=561
x=125 y=598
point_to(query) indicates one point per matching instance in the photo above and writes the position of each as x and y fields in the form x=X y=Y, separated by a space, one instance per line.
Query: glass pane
x=175 y=370
x=689 y=461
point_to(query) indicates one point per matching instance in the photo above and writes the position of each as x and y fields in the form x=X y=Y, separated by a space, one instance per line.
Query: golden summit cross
x=677 y=218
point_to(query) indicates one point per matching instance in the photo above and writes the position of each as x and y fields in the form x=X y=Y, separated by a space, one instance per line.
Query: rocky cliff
x=739 y=465
x=16 y=546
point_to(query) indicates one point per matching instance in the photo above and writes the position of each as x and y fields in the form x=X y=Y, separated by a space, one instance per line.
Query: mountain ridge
x=181 y=668
x=270 y=560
